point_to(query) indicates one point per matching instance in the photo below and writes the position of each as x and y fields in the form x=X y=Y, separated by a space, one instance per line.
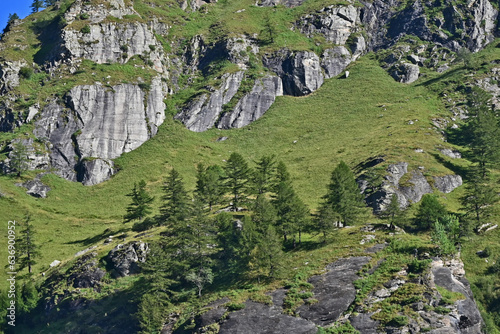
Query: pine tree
x=176 y=208
x=344 y=195
x=36 y=5
x=326 y=220
x=264 y=174
x=236 y=179
x=209 y=187
x=429 y=211
x=484 y=131
x=479 y=198
x=48 y=3
x=141 y=203
x=19 y=158
x=393 y=213
x=267 y=254
x=27 y=248
x=264 y=213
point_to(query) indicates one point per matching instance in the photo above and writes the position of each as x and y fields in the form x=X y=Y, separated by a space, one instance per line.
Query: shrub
x=26 y=72
x=85 y=30
x=235 y=306
x=84 y=16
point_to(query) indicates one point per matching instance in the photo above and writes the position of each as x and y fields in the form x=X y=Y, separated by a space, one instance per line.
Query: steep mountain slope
x=107 y=93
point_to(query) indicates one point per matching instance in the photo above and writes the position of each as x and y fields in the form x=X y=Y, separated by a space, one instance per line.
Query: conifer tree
x=267 y=254
x=326 y=220
x=484 y=131
x=141 y=203
x=19 y=158
x=393 y=213
x=36 y=5
x=209 y=187
x=264 y=174
x=236 y=179
x=429 y=211
x=344 y=195
x=479 y=198
x=177 y=205
x=26 y=245
x=264 y=213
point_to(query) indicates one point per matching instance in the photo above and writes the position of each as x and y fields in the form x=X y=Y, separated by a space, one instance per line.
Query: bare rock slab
x=334 y=291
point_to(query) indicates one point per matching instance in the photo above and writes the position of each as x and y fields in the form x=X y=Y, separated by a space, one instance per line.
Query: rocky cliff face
x=114 y=32
x=97 y=124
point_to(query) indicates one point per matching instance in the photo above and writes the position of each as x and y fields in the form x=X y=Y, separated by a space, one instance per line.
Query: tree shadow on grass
x=459 y=170
x=99 y=237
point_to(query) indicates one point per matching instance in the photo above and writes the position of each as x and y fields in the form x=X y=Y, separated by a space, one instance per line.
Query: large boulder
x=405 y=72
x=125 y=259
x=288 y=3
x=36 y=188
x=447 y=183
x=85 y=273
x=335 y=60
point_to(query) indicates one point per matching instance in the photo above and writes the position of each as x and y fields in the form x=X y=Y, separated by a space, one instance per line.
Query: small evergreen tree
x=26 y=245
x=393 y=213
x=141 y=203
x=209 y=187
x=264 y=174
x=429 y=211
x=177 y=205
x=48 y=3
x=236 y=179
x=19 y=158
x=264 y=213
x=479 y=198
x=269 y=32
x=446 y=234
x=326 y=220
x=36 y=5
x=344 y=195
x=267 y=255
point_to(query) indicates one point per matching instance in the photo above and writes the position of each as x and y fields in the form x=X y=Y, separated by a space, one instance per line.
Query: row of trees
x=236 y=223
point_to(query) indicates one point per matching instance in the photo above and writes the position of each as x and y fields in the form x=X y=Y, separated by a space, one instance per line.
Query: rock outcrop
x=99 y=124
x=36 y=188
x=253 y=105
x=301 y=71
x=125 y=259
x=334 y=291
x=9 y=74
x=85 y=273
x=408 y=192
x=288 y=3
x=405 y=72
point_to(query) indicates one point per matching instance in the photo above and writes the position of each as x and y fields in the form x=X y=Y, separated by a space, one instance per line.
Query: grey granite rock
x=100 y=124
x=125 y=259
x=334 y=61
x=334 y=291
x=254 y=104
x=447 y=183
x=264 y=319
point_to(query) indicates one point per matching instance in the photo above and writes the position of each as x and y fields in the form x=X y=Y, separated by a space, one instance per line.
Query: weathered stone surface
x=260 y=318
x=288 y=3
x=334 y=291
x=451 y=153
x=37 y=156
x=254 y=104
x=9 y=74
x=102 y=124
x=8 y=119
x=36 y=188
x=335 y=23
x=85 y=273
x=335 y=60
x=94 y=171
x=364 y=323
x=405 y=72
x=301 y=72
x=113 y=42
x=202 y=113
x=466 y=317
x=447 y=183
x=98 y=13
x=411 y=192
x=125 y=258
x=414 y=192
